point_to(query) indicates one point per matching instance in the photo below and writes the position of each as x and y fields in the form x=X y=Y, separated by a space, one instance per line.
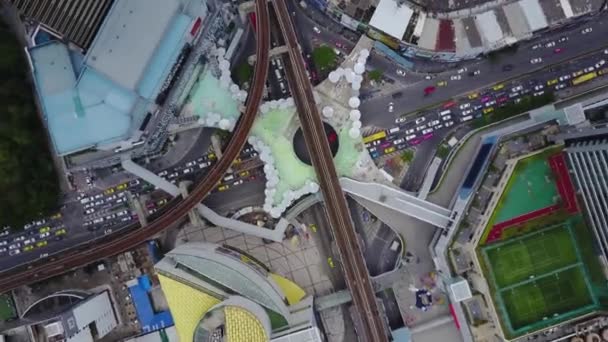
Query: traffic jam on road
x=110 y=209
x=414 y=129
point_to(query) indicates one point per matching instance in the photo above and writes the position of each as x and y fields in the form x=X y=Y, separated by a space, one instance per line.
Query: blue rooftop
x=83 y=113
x=148 y=319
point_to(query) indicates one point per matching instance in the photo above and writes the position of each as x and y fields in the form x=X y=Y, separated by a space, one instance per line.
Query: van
x=228 y=178
x=393 y=130
x=279 y=64
x=282 y=85
x=395 y=245
x=445 y=112
x=467 y=118
x=278 y=74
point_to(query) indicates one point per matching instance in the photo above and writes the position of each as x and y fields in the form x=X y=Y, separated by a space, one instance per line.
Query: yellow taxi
x=442 y=83
x=121 y=186
x=45 y=229
x=41 y=243
x=389 y=150
x=211 y=155
x=313 y=227
x=552 y=82
x=473 y=96
x=244 y=173
x=61 y=231
x=330 y=262
x=223 y=187
x=109 y=191
x=498 y=87
x=56 y=216
x=488 y=110
x=28 y=248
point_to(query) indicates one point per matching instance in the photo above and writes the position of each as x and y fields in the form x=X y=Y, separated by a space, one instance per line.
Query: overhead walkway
x=275 y=234
x=429 y=178
x=399 y=201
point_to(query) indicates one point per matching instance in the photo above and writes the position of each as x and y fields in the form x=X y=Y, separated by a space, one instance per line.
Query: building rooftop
x=128 y=38
x=391 y=18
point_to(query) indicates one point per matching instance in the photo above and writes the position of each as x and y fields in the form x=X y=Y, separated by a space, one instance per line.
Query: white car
x=400 y=72
x=550 y=44
x=398 y=141
x=538 y=87
x=606 y=52
x=420 y=120
x=316 y=29
x=599 y=64
x=89 y=211
x=428 y=130
x=536 y=60
x=420 y=128
x=461 y=70
x=14 y=252
x=536 y=46
x=587 y=30
x=516 y=89
x=400 y=119
x=391 y=107
x=490 y=103
x=560 y=86
x=45 y=235
x=3 y=243
x=455 y=77
x=564 y=78
x=539 y=93
x=465 y=105
x=434 y=123
x=410 y=137
x=191 y=163
x=467 y=112
x=448 y=124
x=98 y=220
x=163 y=173
x=446 y=118
x=410 y=131
x=439 y=126
x=589 y=69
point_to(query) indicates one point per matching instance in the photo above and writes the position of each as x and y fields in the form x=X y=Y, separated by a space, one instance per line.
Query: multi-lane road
x=114 y=243
x=352 y=261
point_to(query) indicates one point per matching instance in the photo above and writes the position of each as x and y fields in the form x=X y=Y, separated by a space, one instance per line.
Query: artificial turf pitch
x=538 y=276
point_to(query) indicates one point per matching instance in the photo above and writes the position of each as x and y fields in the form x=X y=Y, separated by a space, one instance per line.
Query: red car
x=558 y=50
x=340 y=45
x=449 y=104
x=429 y=90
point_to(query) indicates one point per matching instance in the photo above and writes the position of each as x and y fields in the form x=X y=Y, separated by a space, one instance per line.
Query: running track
x=566 y=192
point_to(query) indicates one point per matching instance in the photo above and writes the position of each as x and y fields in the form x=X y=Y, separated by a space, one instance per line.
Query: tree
x=324 y=57
x=375 y=75
x=442 y=151
x=407 y=156
x=243 y=72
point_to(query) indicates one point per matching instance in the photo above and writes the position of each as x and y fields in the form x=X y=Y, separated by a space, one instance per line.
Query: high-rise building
x=588 y=158
x=218 y=292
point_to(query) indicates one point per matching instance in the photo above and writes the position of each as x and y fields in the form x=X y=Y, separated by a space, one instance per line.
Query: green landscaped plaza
x=531 y=187
x=540 y=278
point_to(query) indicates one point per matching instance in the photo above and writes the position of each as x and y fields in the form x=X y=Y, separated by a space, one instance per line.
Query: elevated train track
x=119 y=243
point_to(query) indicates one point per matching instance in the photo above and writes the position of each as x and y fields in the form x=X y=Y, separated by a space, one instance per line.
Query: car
x=465 y=105
x=109 y=191
x=558 y=50
x=41 y=244
x=428 y=130
x=507 y=67
x=586 y=30
x=455 y=77
x=466 y=112
x=223 y=187
x=515 y=94
x=562 y=39
x=560 y=86
x=29 y=241
x=490 y=103
x=44 y=229
x=539 y=93
x=446 y=117
x=488 y=110
x=538 y=87
x=420 y=120
x=330 y=262
x=161 y=202
x=44 y=235
x=98 y=220
x=316 y=29
x=536 y=60
x=98 y=196
x=449 y=123
x=398 y=141
x=187 y=170
x=410 y=137
x=550 y=44
x=485 y=99
x=61 y=231
x=391 y=107
x=589 y=69
x=537 y=46
x=122 y=186
x=578 y=73
x=517 y=88
x=410 y=131
x=473 y=96
x=163 y=173
x=389 y=150
x=122 y=213
x=442 y=83
x=3 y=250
x=474 y=73
x=3 y=243
x=400 y=72
x=564 y=78
x=502 y=99
x=429 y=90
x=420 y=128
x=134 y=182
x=400 y=119
x=552 y=82
x=438 y=126
x=28 y=248
x=100 y=202
x=599 y=64
x=19 y=238
x=14 y=252
x=56 y=216
x=449 y=104
x=434 y=123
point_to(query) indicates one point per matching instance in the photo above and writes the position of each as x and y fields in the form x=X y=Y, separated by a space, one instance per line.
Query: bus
x=584 y=78
x=253 y=21
x=374 y=137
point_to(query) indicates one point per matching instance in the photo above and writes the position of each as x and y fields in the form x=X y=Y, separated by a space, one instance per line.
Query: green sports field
x=538 y=278
x=533 y=254
x=7 y=310
x=531 y=187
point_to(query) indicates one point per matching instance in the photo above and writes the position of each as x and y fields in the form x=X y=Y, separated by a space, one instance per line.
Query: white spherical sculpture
x=359 y=68
x=354 y=114
x=334 y=77
x=354 y=102
x=354 y=132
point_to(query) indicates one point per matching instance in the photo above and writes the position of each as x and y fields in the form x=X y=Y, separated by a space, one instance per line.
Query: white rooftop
x=310 y=334
x=488 y=26
x=128 y=37
x=534 y=14
x=460 y=290
x=391 y=18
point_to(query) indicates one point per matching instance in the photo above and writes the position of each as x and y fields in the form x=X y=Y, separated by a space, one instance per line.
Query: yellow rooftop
x=242 y=326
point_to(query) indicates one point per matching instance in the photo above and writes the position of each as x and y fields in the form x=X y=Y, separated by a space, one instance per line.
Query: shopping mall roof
x=79 y=114
x=534 y=14
x=391 y=18
x=128 y=38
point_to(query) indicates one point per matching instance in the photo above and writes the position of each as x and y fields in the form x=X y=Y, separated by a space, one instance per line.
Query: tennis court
x=531 y=187
x=533 y=254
